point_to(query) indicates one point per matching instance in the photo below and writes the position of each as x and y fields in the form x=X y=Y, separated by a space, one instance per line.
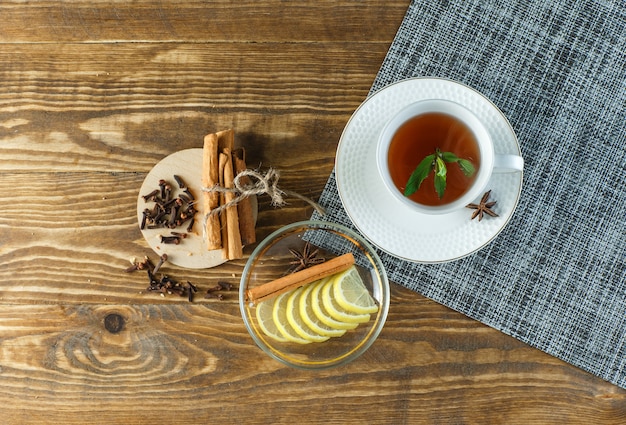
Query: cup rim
x=485 y=145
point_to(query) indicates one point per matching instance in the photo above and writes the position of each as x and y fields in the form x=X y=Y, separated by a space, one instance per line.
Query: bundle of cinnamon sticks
x=234 y=227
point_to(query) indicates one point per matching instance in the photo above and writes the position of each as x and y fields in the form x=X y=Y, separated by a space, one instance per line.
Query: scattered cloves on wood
x=225 y=285
x=162 y=261
x=221 y=286
x=146 y=264
x=214 y=295
x=132 y=268
x=165 y=285
x=191 y=290
x=214 y=289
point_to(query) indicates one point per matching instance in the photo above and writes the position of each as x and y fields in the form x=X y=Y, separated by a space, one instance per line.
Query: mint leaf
x=440 y=185
x=467 y=167
x=449 y=157
x=440 y=168
x=440 y=176
x=436 y=162
x=419 y=174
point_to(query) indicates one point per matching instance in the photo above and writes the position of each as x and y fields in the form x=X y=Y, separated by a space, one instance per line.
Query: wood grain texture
x=94 y=94
x=200 y=21
x=194 y=363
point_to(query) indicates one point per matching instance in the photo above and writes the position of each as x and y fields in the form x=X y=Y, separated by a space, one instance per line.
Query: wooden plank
x=133 y=76
x=122 y=108
x=199 y=21
x=196 y=364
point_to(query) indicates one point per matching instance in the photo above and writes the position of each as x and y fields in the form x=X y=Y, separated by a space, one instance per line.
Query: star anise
x=483 y=208
x=305 y=258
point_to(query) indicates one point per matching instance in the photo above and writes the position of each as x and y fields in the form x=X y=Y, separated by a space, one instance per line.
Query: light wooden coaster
x=191 y=252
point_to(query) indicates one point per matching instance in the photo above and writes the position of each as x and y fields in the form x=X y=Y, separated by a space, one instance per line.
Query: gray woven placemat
x=555 y=278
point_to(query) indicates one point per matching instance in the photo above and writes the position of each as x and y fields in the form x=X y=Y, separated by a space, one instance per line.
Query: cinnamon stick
x=210 y=177
x=222 y=196
x=244 y=207
x=301 y=278
x=226 y=139
x=234 y=247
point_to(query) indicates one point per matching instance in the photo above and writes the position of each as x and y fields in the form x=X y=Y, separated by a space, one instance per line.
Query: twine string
x=260 y=184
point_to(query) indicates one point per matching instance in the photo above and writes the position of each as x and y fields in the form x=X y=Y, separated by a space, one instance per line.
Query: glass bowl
x=274 y=258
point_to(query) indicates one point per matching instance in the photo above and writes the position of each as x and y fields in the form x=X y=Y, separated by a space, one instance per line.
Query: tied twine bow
x=261 y=184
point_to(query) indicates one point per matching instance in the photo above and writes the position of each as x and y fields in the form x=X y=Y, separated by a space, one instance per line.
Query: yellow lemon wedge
x=335 y=310
x=279 y=315
x=294 y=317
x=306 y=302
x=320 y=311
x=351 y=294
x=266 y=322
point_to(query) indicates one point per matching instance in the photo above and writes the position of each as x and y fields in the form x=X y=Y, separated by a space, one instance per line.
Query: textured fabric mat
x=555 y=277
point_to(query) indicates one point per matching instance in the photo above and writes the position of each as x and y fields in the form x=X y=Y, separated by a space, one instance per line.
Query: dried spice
x=221 y=286
x=483 y=207
x=169 y=212
x=165 y=285
x=191 y=290
x=305 y=258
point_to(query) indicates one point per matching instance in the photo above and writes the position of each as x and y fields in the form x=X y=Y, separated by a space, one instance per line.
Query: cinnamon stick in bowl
x=301 y=278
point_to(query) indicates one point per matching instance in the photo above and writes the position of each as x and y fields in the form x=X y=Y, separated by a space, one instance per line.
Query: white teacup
x=489 y=162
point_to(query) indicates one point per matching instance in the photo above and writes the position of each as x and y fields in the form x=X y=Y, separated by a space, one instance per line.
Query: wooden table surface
x=92 y=95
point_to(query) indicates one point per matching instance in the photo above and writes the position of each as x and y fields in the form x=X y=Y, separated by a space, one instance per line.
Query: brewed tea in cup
x=436 y=156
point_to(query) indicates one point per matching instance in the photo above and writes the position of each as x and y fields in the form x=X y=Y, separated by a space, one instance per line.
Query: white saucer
x=387 y=222
x=191 y=252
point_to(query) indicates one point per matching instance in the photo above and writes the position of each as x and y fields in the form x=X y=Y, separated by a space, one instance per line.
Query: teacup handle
x=507 y=163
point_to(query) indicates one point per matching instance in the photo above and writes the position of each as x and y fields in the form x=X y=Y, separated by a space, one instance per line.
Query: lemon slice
x=266 y=321
x=294 y=318
x=279 y=315
x=335 y=310
x=309 y=317
x=320 y=311
x=351 y=294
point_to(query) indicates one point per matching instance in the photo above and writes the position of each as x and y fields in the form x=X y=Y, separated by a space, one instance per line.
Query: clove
x=162 y=261
x=169 y=211
x=151 y=196
x=170 y=239
x=214 y=295
x=225 y=285
x=191 y=290
x=190 y=226
x=144 y=218
x=212 y=292
x=181 y=183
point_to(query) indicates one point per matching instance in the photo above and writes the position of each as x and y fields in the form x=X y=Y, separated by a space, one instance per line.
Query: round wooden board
x=191 y=252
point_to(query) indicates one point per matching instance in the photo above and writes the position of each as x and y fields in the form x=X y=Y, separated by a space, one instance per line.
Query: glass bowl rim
x=382 y=282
